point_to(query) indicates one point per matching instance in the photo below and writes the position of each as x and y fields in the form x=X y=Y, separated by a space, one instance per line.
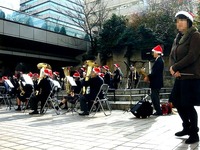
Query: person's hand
x=177 y=74
x=173 y=73
x=146 y=79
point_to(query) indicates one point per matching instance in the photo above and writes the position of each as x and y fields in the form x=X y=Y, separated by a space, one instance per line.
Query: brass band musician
x=24 y=90
x=44 y=87
x=94 y=82
x=74 y=92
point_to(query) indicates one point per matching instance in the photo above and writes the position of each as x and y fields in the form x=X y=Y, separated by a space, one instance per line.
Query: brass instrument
x=42 y=66
x=90 y=64
x=144 y=74
x=66 y=71
x=22 y=92
x=135 y=76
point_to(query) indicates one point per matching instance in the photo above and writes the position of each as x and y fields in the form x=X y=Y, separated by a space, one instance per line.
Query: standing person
x=107 y=75
x=117 y=74
x=184 y=66
x=94 y=82
x=155 y=78
x=133 y=78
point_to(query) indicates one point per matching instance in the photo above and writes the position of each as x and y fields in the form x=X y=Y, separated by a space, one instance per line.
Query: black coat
x=45 y=87
x=95 y=84
x=156 y=76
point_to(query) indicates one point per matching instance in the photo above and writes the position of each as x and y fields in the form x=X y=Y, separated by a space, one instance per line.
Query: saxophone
x=22 y=92
x=66 y=71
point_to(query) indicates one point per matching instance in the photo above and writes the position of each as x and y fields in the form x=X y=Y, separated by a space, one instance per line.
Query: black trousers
x=85 y=102
x=189 y=117
x=156 y=100
x=35 y=100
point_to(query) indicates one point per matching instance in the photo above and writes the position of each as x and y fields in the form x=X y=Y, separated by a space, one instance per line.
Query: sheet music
x=9 y=83
x=27 y=79
x=56 y=83
x=71 y=81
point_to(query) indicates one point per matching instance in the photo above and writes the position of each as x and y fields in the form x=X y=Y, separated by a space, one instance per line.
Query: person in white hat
x=184 y=62
x=155 y=78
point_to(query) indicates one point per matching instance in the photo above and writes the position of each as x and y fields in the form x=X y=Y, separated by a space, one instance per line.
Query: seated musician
x=75 y=91
x=44 y=87
x=5 y=84
x=25 y=90
x=94 y=82
x=35 y=79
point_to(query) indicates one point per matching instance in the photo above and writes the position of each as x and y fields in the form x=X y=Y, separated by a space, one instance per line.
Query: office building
x=56 y=12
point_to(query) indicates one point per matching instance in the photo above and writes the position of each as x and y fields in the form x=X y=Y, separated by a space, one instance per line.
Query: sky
x=12 y=4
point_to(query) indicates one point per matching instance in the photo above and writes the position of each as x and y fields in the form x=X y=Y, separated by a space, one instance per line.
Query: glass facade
x=56 y=13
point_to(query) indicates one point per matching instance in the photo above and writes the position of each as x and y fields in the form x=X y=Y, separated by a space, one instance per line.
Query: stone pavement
x=120 y=131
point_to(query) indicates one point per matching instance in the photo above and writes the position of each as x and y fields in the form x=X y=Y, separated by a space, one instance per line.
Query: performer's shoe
x=18 y=109
x=182 y=133
x=157 y=114
x=192 y=139
x=84 y=113
x=34 y=113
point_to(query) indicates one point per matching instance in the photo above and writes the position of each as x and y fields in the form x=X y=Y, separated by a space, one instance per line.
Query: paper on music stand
x=71 y=81
x=27 y=79
x=56 y=83
x=9 y=83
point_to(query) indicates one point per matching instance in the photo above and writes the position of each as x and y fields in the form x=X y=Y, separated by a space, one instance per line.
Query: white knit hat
x=187 y=14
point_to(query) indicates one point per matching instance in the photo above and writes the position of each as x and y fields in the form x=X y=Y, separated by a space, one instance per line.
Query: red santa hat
x=56 y=73
x=48 y=72
x=5 y=77
x=36 y=75
x=158 y=49
x=96 y=70
x=76 y=75
x=30 y=74
x=101 y=75
x=116 y=65
x=189 y=15
x=106 y=67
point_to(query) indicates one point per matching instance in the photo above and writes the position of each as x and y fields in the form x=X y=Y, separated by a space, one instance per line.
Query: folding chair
x=2 y=97
x=25 y=105
x=51 y=101
x=73 y=104
x=101 y=101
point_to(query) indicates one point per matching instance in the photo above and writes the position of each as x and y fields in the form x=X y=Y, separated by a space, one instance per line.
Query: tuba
x=42 y=66
x=90 y=64
x=66 y=71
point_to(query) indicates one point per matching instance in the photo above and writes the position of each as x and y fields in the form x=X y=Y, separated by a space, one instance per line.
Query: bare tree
x=89 y=17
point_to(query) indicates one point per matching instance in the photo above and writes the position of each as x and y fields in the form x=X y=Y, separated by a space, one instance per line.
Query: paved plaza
x=119 y=131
